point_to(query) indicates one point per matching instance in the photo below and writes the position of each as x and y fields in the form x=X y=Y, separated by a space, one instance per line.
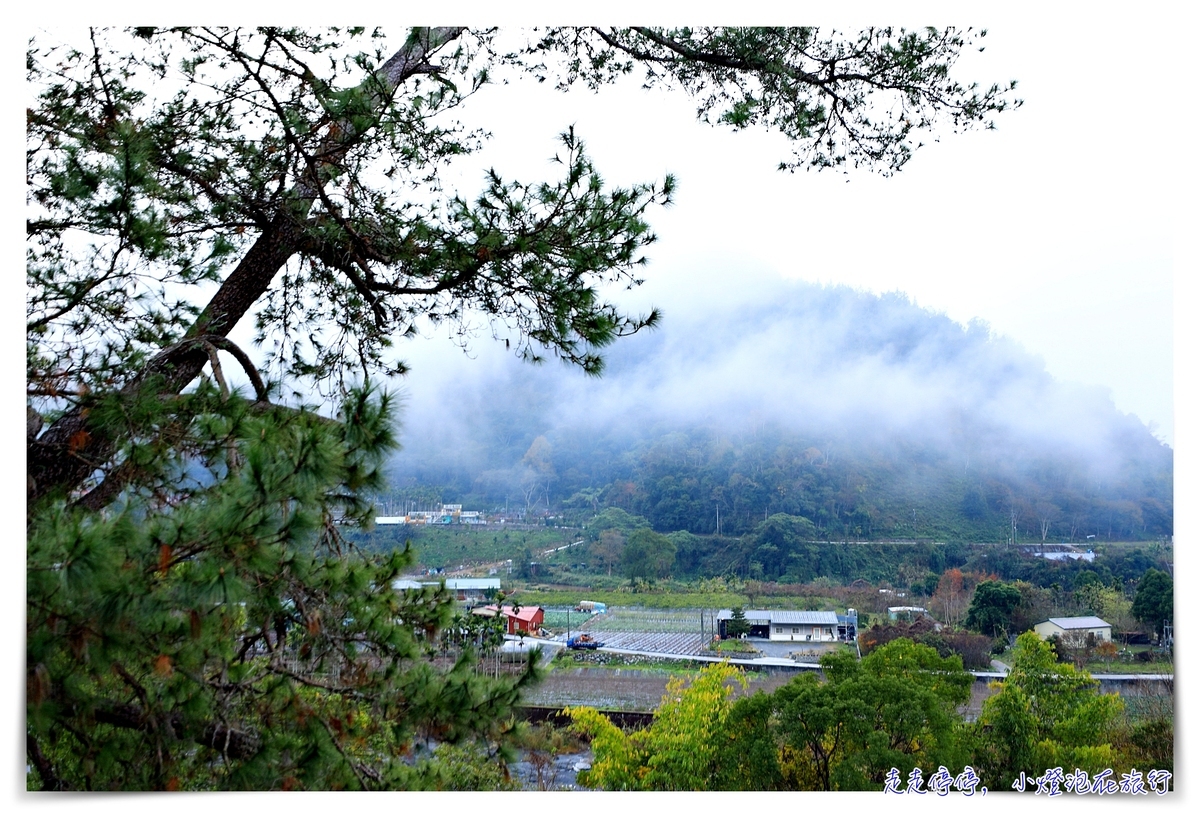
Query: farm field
x=655 y=620
x=559 y=619
x=652 y=630
x=677 y=644
x=675 y=631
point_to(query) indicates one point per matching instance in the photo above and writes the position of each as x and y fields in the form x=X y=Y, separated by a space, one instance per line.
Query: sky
x=1055 y=229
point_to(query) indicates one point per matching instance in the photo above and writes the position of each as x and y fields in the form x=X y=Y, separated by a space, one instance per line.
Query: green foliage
x=470 y=768
x=1105 y=602
x=992 y=607
x=895 y=709
x=1148 y=745
x=682 y=747
x=647 y=555
x=615 y=519
x=1046 y=715
x=738 y=626
x=1154 y=602
x=749 y=758
x=223 y=639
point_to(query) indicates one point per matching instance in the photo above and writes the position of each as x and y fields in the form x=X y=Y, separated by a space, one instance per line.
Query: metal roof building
x=463 y=587
x=1075 y=628
x=793 y=626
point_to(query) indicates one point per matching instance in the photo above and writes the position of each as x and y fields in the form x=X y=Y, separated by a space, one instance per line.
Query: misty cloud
x=821 y=361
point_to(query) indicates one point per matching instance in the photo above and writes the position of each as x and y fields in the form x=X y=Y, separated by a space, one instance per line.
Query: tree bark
x=234 y=744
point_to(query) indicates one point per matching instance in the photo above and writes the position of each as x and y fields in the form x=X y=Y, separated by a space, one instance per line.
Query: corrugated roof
x=526 y=614
x=454 y=583
x=471 y=583
x=1069 y=623
x=786 y=617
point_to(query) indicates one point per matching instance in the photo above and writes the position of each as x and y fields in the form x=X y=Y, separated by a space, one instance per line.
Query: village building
x=447 y=514
x=906 y=613
x=1057 y=552
x=527 y=618
x=466 y=589
x=795 y=626
x=1075 y=629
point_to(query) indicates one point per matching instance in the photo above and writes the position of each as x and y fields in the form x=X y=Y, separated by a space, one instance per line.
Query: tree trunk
x=74 y=448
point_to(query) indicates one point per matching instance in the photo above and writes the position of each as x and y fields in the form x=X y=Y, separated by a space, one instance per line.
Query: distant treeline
x=781 y=549
x=682 y=481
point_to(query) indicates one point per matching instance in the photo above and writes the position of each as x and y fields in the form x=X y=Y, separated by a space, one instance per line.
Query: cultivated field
x=651 y=620
x=677 y=644
x=651 y=630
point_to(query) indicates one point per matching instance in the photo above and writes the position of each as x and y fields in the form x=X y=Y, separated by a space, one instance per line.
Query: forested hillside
x=867 y=415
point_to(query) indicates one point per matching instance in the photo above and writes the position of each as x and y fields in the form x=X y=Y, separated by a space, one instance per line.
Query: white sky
x=1055 y=228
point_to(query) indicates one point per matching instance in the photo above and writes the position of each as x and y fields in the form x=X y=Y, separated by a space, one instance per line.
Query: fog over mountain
x=848 y=372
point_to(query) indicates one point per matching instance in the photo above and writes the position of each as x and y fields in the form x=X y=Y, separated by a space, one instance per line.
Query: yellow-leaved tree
x=680 y=750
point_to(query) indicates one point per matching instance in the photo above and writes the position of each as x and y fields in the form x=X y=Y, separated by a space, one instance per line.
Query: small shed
x=1075 y=629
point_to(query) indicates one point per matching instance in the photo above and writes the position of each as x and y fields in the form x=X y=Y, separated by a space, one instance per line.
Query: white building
x=464 y=588
x=793 y=626
x=1075 y=629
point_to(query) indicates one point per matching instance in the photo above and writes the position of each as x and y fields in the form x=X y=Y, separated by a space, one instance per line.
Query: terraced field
x=678 y=644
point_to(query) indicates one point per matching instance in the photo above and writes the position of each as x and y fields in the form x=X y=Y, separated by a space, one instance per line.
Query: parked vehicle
x=583 y=642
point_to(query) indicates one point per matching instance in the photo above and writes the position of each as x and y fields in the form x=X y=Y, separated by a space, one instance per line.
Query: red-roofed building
x=529 y=618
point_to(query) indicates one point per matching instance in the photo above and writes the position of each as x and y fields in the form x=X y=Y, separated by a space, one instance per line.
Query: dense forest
x=867 y=415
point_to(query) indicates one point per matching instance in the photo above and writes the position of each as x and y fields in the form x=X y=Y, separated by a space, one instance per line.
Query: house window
x=795 y=630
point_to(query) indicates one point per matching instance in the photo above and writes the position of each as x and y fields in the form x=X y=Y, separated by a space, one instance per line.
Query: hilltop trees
x=194 y=618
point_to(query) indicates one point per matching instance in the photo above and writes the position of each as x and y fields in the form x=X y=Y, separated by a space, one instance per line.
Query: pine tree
x=194 y=617
x=738 y=625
